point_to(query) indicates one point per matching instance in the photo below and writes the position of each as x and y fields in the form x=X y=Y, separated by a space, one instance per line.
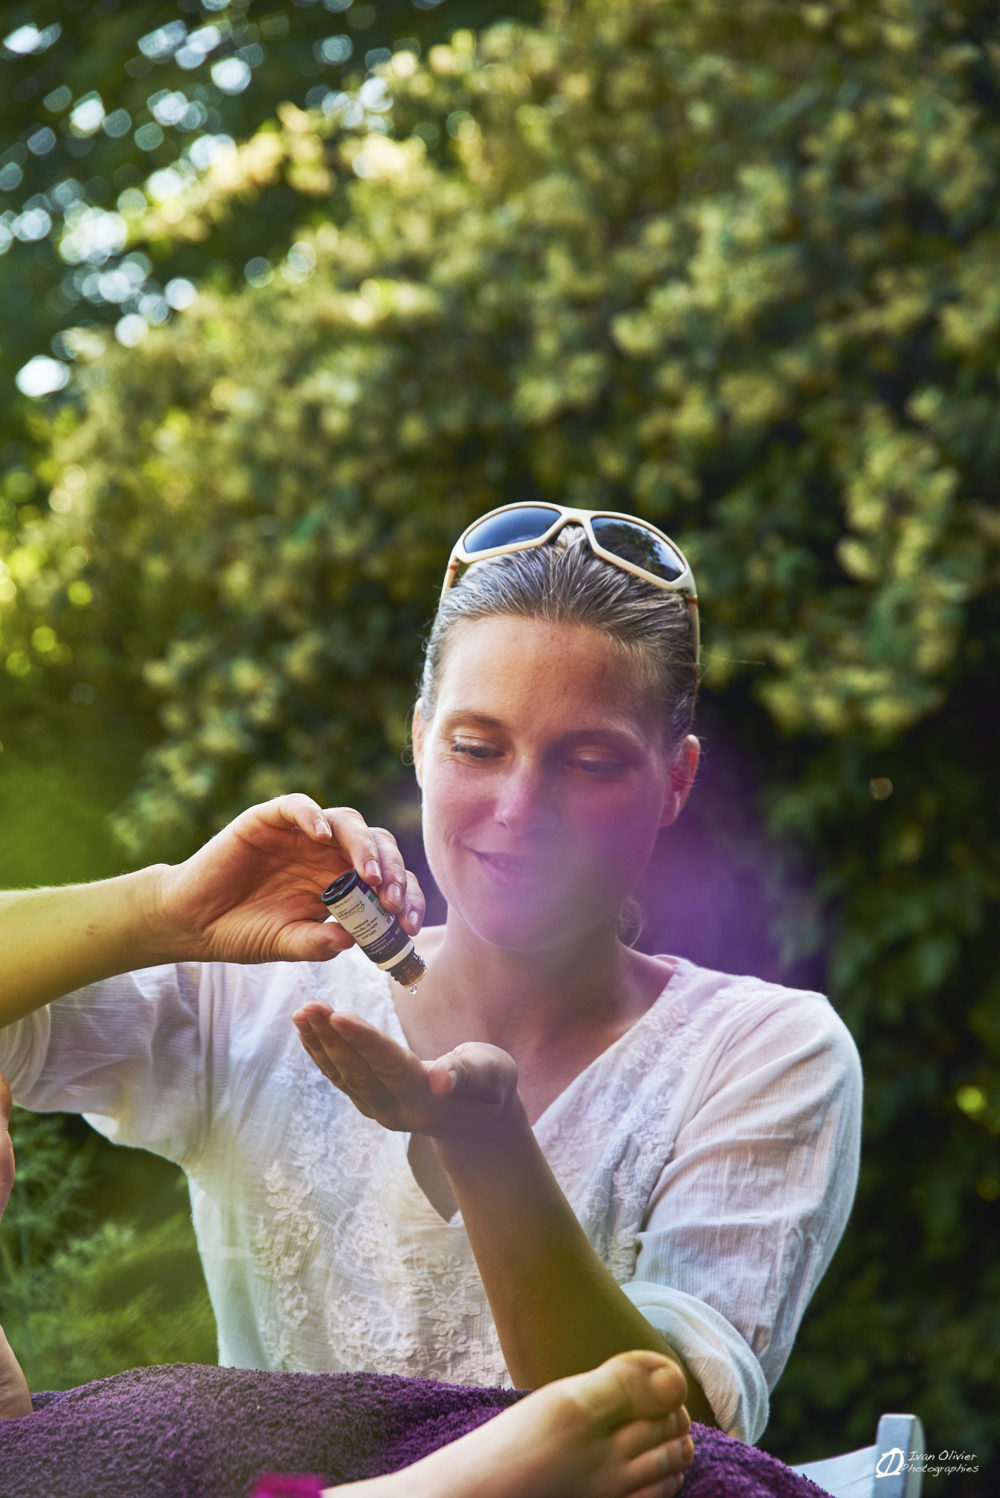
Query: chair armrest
x=889 y=1469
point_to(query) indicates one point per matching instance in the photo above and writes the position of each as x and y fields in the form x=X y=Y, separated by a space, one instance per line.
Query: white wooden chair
x=889 y=1469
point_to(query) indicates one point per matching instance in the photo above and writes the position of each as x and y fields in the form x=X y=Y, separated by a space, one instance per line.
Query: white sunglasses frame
x=566 y=515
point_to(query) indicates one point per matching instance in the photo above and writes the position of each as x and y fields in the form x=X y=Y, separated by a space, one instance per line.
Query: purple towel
x=187 y=1431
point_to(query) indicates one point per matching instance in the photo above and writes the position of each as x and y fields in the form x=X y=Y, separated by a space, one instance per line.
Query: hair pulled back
x=563 y=582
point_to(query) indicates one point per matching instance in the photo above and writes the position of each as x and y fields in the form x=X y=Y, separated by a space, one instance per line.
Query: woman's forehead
x=495 y=664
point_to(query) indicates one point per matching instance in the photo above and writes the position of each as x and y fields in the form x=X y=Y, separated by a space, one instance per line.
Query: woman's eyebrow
x=595 y=732
x=463 y=715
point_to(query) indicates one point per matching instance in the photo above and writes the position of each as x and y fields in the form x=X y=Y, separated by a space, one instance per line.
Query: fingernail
x=412 y=919
x=373 y=872
x=393 y=893
x=322 y=828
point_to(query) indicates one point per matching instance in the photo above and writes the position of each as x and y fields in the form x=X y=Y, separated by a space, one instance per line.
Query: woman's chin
x=525 y=927
x=526 y=914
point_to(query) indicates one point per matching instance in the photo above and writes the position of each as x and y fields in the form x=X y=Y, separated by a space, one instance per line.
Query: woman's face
x=544 y=781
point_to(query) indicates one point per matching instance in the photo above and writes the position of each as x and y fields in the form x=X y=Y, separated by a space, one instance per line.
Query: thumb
x=441 y=1077
x=476 y=1072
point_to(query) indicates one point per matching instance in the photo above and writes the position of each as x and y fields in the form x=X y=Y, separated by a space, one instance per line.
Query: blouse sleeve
x=752 y=1203
x=128 y=1052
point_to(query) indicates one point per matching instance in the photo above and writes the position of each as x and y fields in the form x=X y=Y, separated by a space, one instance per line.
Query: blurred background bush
x=295 y=290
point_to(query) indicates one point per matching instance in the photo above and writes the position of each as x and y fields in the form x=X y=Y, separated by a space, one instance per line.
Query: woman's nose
x=525 y=803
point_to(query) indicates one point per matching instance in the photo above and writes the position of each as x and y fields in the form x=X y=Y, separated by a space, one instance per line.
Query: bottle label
x=379 y=934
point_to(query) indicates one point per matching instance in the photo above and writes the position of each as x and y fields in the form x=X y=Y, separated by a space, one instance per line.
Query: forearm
x=55 y=940
x=556 y=1307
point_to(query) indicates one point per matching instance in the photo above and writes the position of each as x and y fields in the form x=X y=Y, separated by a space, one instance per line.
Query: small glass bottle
x=356 y=907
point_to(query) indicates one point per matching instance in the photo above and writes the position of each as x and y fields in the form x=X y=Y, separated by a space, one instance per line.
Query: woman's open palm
x=467 y=1088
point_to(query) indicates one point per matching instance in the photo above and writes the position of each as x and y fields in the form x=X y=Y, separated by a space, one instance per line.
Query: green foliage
x=54 y=827
x=105 y=108
x=730 y=268
x=119 y=1297
x=80 y=1301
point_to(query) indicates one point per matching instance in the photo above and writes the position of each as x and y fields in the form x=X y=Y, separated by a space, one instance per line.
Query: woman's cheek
x=625 y=834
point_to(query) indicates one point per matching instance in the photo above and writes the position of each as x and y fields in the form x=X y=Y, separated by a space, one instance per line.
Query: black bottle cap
x=341 y=886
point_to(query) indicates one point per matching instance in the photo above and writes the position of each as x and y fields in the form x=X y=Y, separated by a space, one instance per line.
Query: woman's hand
x=252 y=894
x=465 y=1089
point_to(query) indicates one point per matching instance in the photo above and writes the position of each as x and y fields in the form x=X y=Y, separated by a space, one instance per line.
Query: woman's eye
x=599 y=766
x=475 y=751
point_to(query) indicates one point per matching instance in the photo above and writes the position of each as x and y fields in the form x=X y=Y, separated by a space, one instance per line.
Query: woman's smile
x=515 y=870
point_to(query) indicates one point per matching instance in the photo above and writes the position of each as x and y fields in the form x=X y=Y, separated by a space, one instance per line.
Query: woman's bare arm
x=556 y=1307
x=251 y=894
x=55 y=940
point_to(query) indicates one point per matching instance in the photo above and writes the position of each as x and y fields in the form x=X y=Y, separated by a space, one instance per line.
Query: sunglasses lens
x=635 y=543
x=525 y=523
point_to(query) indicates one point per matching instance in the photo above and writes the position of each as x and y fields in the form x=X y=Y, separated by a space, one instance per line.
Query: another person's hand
x=252 y=894
x=6 y=1147
x=469 y=1087
x=15 y=1400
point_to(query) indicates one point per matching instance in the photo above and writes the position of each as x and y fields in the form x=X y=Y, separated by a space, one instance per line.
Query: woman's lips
x=510 y=869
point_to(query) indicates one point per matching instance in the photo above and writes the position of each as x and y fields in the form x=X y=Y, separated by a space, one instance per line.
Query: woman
x=642 y=1154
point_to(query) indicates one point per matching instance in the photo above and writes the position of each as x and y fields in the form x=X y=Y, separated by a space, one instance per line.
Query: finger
x=311 y=1024
x=314 y=1050
x=6 y=1102
x=357 y=840
x=415 y=906
x=441 y=1078
x=393 y=1064
x=311 y=1033
x=298 y=810
x=368 y=1062
x=475 y=1071
x=400 y=890
x=313 y=941
x=323 y=1064
x=393 y=869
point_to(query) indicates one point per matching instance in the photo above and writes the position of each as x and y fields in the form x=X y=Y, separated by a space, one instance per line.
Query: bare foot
x=618 y=1432
x=14 y=1397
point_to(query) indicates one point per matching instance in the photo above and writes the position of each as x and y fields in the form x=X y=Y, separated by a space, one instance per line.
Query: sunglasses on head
x=627 y=543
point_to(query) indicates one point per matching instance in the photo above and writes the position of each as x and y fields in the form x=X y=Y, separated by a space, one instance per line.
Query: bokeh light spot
x=231 y=74
x=41 y=376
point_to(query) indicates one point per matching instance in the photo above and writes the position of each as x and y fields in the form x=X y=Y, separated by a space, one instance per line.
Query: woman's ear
x=418 y=740
x=681 y=771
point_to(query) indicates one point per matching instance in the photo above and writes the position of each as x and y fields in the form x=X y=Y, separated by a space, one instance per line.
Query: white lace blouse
x=710 y=1154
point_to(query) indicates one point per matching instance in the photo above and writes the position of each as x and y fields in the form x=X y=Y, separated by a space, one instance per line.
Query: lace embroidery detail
x=361 y=1271
x=650 y=1062
x=286 y=1235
